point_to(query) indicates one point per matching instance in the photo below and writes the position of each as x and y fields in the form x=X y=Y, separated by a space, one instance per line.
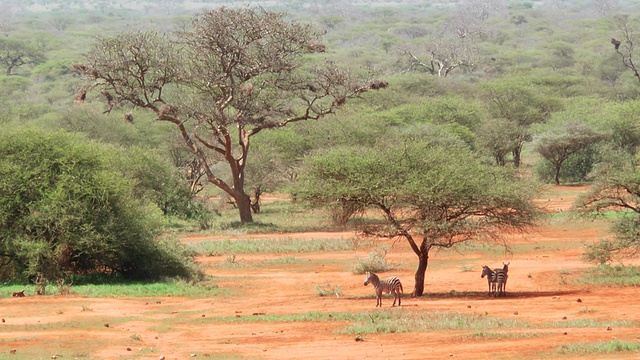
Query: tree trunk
x=516 y=156
x=557 y=177
x=423 y=261
x=244 y=208
x=255 y=203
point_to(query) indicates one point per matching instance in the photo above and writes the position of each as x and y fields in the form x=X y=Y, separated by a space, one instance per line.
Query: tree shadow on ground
x=483 y=295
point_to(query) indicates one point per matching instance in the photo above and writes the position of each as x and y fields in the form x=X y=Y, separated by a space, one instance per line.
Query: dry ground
x=540 y=291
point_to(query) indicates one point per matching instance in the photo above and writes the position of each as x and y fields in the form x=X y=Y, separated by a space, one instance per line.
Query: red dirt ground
x=540 y=290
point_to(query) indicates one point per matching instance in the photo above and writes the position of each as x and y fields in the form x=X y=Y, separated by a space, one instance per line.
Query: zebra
x=496 y=279
x=491 y=277
x=389 y=285
x=500 y=278
x=505 y=270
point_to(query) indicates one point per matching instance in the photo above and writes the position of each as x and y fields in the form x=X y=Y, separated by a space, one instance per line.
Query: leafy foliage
x=66 y=209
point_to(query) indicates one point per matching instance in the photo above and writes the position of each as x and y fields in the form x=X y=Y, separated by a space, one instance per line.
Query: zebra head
x=368 y=279
x=486 y=271
x=505 y=268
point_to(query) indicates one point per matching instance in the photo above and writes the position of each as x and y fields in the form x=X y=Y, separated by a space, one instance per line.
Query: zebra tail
x=401 y=289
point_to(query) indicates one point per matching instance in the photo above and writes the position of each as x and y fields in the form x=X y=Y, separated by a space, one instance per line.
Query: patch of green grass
x=490 y=334
x=259 y=246
x=606 y=275
x=281 y=216
x=378 y=321
x=161 y=289
x=303 y=264
x=162 y=328
x=328 y=289
x=400 y=320
x=605 y=347
x=589 y=323
x=8 y=290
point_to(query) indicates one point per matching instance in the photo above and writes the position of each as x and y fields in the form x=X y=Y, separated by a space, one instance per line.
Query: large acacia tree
x=433 y=196
x=232 y=74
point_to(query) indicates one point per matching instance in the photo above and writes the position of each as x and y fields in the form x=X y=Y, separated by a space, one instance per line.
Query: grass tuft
x=606 y=347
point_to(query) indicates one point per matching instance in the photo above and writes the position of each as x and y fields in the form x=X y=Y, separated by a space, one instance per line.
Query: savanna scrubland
x=208 y=179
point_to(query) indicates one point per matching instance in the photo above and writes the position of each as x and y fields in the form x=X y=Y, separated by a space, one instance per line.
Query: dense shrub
x=66 y=207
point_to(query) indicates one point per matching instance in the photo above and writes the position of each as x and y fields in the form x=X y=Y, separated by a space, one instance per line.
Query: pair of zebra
x=496 y=279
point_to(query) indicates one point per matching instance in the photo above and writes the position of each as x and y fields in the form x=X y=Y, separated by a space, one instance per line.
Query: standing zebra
x=389 y=285
x=500 y=277
x=505 y=270
x=491 y=275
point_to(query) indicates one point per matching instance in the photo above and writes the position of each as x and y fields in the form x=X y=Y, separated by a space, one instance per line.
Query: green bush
x=376 y=262
x=66 y=207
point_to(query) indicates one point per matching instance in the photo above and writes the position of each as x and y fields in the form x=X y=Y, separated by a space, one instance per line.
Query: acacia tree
x=616 y=188
x=14 y=53
x=443 y=54
x=518 y=103
x=559 y=143
x=497 y=137
x=433 y=196
x=235 y=73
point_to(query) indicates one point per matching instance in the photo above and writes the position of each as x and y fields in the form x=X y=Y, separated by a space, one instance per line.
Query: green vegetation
x=606 y=275
x=375 y=262
x=604 y=347
x=410 y=321
x=95 y=289
x=68 y=207
x=272 y=245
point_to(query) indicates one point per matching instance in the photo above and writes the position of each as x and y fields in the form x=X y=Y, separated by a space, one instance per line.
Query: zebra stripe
x=389 y=285
x=500 y=279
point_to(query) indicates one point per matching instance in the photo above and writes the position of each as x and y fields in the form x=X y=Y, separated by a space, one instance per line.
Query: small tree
x=558 y=144
x=14 y=54
x=518 y=102
x=236 y=73
x=497 y=137
x=430 y=195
